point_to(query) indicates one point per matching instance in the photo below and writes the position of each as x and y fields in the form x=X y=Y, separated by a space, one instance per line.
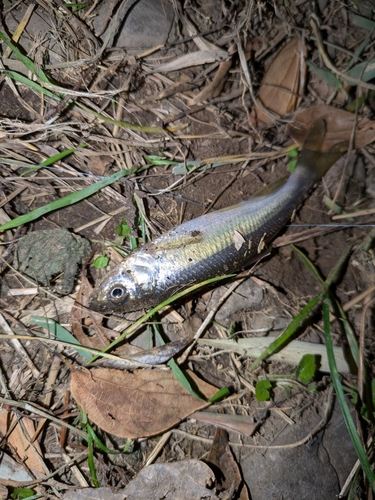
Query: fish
x=214 y=244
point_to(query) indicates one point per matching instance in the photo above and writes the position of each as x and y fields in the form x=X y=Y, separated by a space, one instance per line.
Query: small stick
x=19 y=347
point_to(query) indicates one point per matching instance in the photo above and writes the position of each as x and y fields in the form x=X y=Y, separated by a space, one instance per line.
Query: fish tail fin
x=312 y=160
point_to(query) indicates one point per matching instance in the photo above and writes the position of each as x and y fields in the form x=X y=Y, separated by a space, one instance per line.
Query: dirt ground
x=301 y=447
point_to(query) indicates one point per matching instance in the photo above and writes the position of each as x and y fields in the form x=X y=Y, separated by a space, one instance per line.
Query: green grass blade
x=60 y=156
x=130 y=126
x=28 y=63
x=350 y=337
x=91 y=462
x=66 y=201
x=29 y=83
x=362 y=22
x=177 y=372
x=365 y=464
x=91 y=433
x=53 y=159
x=221 y=394
x=349 y=333
x=338 y=267
x=183 y=379
x=308 y=264
x=283 y=339
x=326 y=75
x=364 y=71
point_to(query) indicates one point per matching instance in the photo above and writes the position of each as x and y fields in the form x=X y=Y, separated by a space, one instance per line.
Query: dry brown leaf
x=19 y=442
x=282 y=86
x=236 y=423
x=339 y=126
x=222 y=458
x=183 y=480
x=214 y=88
x=138 y=404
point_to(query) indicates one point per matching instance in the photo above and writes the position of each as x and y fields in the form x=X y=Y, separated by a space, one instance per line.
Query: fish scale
x=217 y=243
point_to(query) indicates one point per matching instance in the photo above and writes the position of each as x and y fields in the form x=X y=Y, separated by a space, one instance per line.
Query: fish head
x=128 y=287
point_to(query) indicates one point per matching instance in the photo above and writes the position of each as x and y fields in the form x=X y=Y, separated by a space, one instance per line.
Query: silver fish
x=214 y=244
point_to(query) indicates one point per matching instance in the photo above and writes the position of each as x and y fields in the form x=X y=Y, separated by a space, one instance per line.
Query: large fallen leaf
x=138 y=404
x=282 y=86
x=221 y=457
x=184 y=480
x=339 y=126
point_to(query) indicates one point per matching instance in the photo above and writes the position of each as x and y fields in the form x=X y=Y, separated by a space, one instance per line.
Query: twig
x=161 y=443
x=19 y=347
x=33 y=409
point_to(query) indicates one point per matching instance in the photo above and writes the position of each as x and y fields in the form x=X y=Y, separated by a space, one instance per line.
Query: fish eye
x=118 y=293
